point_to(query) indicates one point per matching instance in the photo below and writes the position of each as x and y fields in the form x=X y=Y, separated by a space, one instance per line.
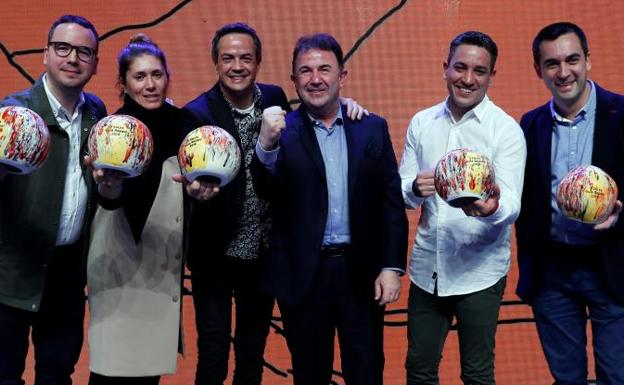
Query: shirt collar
x=338 y=120
x=57 y=109
x=586 y=112
x=477 y=111
x=257 y=100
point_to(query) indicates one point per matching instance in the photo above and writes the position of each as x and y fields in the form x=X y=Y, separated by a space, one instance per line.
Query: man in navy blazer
x=339 y=239
x=569 y=270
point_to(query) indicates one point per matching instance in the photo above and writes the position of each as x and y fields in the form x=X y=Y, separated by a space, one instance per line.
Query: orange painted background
x=395 y=69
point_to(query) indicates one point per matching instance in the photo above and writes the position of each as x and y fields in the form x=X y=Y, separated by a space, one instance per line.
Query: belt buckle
x=334 y=251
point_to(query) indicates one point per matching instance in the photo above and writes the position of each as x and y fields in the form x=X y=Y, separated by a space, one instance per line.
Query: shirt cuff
x=267 y=158
x=400 y=272
x=411 y=200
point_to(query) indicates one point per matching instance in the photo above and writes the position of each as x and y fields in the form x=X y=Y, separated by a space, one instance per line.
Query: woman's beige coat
x=135 y=289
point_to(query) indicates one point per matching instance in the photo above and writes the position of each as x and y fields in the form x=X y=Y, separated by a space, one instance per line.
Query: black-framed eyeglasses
x=62 y=49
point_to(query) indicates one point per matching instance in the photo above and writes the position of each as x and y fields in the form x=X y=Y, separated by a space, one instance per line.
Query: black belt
x=587 y=256
x=68 y=250
x=333 y=251
x=563 y=250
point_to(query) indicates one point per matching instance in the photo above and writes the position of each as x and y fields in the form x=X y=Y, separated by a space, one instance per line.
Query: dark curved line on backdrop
x=23 y=72
x=369 y=32
x=275 y=370
x=373 y=27
x=162 y=18
x=13 y=64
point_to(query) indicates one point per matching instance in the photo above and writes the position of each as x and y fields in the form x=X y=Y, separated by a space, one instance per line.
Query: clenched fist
x=273 y=122
x=424 y=186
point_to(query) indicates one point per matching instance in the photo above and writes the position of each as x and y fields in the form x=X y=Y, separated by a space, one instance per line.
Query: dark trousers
x=57 y=328
x=573 y=286
x=213 y=292
x=310 y=328
x=429 y=321
x=98 y=379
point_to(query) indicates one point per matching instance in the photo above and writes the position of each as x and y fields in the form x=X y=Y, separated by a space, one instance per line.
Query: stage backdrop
x=395 y=50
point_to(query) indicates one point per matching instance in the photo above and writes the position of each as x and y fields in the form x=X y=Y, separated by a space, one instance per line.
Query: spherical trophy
x=587 y=194
x=463 y=176
x=122 y=143
x=211 y=153
x=24 y=140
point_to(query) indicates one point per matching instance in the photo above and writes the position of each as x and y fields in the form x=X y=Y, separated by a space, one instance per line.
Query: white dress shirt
x=75 y=193
x=462 y=254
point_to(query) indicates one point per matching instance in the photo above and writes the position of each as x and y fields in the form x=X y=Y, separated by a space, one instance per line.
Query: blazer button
x=178 y=219
x=175 y=298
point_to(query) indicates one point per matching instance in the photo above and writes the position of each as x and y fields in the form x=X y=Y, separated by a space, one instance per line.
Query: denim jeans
x=573 y=287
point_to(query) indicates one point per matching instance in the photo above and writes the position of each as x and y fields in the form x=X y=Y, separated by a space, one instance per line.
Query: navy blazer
x=298 y=193
x=215 y=222
x=533 y=225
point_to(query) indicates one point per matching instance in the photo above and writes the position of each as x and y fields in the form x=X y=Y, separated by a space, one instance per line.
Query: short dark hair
x=478 y=39
x=553 y=31
x=321 y=41
x=137 y=46
x=237 y=27
x=80 y=20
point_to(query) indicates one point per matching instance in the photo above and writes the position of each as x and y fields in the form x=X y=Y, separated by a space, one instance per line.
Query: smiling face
x=563 y=67
x=237 y=66
x=69 y=72
x=318 y=79
x=146 y=81
x=468 y=75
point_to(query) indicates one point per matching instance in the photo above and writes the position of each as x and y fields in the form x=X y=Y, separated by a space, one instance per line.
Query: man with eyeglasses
x=44 y=216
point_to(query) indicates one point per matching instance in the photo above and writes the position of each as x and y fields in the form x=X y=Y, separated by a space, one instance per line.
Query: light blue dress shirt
x=333 y=144
x=572 y=146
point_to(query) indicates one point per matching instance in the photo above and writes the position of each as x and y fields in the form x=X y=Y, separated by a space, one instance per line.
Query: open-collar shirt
x=75 y=192
x=572 y=146
x=453 y=253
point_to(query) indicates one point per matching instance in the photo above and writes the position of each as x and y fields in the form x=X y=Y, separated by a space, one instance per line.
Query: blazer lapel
x=543 y=135
x=604 y=126
x=41 y=104
x=89 y=119
x=222 y=112
x=353 y=148
x=303 y=125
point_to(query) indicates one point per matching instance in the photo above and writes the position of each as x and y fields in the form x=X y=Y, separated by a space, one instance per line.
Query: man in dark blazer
x=45 y=215
x=228 y=227
x=339 y=236
x=569 y=270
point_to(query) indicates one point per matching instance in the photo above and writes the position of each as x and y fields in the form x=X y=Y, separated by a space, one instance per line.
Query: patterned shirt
x=254 y=223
